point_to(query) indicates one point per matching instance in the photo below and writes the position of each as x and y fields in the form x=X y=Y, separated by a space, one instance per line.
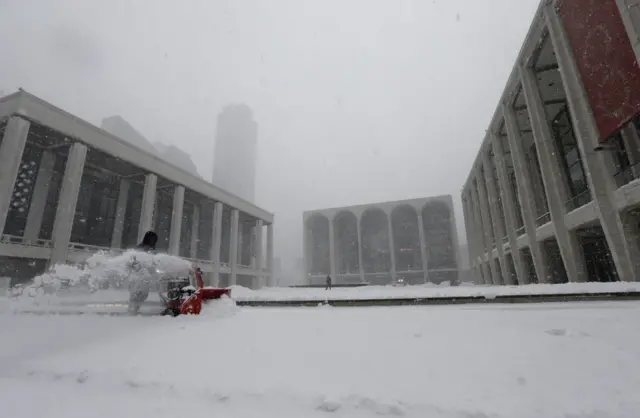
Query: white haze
x=357 y=100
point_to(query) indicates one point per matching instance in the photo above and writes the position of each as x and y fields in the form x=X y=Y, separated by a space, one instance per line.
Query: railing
x=544 y=219
x=627 y=174
x=92 y=248
x=521 y=231
x=578 y=201
x=442 y=269
x=14 y=239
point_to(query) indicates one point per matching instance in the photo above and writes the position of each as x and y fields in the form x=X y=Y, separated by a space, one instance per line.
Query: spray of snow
x=103 y=270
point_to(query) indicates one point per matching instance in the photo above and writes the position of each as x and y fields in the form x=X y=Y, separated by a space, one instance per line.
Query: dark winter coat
x=148 y=241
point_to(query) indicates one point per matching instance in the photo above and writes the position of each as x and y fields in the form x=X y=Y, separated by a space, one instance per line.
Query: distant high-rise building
x=234 y=166
x=177 y=157
x=119 y=127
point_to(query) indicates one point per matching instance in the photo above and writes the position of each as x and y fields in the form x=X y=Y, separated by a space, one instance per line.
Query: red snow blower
x=185 y=295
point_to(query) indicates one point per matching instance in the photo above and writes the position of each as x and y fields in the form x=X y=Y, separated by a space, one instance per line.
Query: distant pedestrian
x=328 y=287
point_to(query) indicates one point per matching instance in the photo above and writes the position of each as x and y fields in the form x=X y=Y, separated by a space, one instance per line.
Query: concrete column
x=306 y=247
x=480 y=245
x=240 y=242
x=233 y=247
x=552 y=176
x=195 y=222
x=472 y=235
x=360 y=262
x=392 y=248
x=15 y=138
x=272 y=278
x=454 y=238
x=66 y=210
x=332 y=251
x=148 y=205
x=467 y=227
x=629 y=12
x=486 y=226
x=423 y=248
x=258 y=254
x=498 y=230
x=473 y=239
x=525 y=193
x=176 y=220
x=216 y=241
x=483 y=243
x=624 y=248
x=39 y=198
x=509 y=208
x=121 y=209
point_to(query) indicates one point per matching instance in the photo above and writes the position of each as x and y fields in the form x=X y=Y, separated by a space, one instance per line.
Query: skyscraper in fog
x=234 y=163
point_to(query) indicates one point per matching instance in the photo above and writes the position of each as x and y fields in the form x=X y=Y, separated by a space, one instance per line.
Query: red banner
x=606 y=61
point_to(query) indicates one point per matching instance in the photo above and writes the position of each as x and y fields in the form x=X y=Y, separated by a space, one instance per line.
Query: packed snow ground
x=550 y=360
x=425 y=291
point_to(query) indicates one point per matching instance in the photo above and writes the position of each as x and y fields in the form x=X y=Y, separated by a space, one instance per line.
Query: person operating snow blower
x=149 y=241
x=139 y=289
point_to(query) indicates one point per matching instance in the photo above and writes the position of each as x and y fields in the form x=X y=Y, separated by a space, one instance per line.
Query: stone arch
x=437 y=220
x=406 y=238
x=376 y=255
x=318 y=244
x=345 y=227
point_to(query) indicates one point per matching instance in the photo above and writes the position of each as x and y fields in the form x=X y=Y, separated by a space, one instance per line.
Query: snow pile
x=429 y=290
x=241 y=292
x=219 y=308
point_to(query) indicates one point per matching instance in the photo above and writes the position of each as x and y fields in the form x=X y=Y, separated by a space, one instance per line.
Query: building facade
x=69 y=189
x=414 y=240
x=236 y=151
x=554 y=193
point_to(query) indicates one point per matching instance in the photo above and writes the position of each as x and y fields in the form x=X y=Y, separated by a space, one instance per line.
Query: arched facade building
x=414 y=240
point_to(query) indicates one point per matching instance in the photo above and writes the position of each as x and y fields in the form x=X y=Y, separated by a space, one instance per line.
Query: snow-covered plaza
x=548 y=360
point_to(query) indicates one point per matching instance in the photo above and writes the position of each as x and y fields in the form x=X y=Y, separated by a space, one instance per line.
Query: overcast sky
x=357 y=101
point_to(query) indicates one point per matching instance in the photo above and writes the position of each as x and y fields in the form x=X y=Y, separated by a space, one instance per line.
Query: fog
x=357 y=101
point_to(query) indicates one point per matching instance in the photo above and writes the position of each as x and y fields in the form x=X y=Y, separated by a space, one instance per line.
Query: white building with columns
x=554 y=193
x=69 y=189
x=378 y=243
